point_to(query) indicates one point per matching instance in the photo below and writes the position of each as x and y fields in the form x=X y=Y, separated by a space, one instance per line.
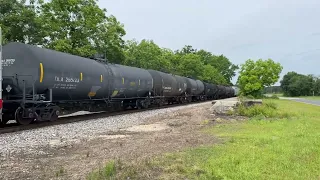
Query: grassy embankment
x=285 y=146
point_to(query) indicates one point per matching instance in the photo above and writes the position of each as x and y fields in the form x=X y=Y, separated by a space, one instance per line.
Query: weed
x=204 y=122
x=106 y=172
x=60 y=172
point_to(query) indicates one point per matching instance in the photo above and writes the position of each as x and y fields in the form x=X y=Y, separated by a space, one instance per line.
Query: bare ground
x=165 y=133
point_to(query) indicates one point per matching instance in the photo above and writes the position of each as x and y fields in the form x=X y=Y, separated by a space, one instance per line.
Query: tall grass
x=107 y=172
x=266 y=110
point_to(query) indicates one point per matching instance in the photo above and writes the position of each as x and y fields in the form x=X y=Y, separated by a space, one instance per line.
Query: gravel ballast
x=32 y=141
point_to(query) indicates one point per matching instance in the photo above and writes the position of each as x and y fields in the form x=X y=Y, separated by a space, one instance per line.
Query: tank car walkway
x=307 y=101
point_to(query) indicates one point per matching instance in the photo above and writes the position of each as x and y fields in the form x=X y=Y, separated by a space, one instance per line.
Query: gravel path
x=32 y=141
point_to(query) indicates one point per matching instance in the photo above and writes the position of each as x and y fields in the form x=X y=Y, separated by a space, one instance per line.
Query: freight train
x=40 y=84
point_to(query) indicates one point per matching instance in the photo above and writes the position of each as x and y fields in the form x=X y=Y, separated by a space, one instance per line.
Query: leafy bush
x=265 y=110
x=271 y=105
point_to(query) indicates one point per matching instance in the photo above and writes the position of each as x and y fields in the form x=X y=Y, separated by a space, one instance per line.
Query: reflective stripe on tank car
x=114 y=93
x=91 y=94
x=41 y=72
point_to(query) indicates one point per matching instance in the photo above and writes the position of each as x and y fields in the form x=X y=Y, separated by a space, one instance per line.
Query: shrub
x=265 y=110
x=271 y=105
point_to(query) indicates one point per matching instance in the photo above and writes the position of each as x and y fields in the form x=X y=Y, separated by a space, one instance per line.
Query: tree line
x=294 y=84
x=81 y=27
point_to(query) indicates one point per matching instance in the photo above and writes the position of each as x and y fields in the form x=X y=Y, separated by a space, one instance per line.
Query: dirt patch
x=165 y=133
x=148 y=128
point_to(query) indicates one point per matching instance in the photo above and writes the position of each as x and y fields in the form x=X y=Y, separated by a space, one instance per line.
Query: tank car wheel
x=55 y=116
x=20 y=119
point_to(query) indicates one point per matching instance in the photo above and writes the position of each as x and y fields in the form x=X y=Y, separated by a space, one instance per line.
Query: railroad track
x=9 y=128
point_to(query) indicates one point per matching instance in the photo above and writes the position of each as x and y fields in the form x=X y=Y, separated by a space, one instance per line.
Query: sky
x=287 y=31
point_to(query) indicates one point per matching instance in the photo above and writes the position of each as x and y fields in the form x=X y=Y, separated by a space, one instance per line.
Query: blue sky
x=288 y=31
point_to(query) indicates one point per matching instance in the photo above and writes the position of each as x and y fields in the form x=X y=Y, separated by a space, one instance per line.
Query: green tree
x=316 y=87
x=20 y=22
x=191 y=65
x=212 y=75
x=254 y=76
x=72 y=25
x=146 y=54
x=224 y=66
x=285 y=82
x=206 y=57
x=187 y=49
x=81 y=28
x=221 y=63
x=110 y=42
x=295 y=84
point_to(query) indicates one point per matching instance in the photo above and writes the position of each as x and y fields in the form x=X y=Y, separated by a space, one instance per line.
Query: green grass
x=286 y=148
x=107 y=172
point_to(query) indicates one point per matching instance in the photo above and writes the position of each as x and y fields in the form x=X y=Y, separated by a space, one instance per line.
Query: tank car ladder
x=109 y=81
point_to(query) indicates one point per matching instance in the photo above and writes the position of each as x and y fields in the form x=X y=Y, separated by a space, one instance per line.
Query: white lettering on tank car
x=7 y=62
x=67 y=79
x=64 y=86
x=166 y=89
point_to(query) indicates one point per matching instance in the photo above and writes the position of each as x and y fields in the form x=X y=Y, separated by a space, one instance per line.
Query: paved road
x=307 y=101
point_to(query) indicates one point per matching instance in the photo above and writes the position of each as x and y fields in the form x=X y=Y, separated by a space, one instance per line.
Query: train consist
x=40 y=84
